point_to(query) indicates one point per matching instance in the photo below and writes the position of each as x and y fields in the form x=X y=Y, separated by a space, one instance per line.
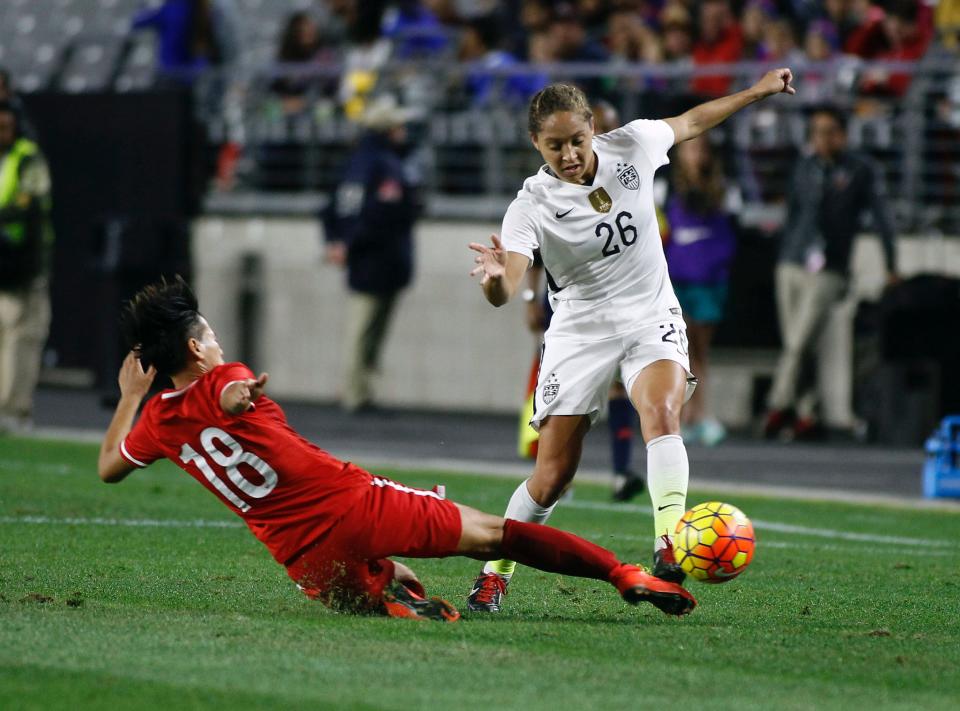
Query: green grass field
x=151 y=594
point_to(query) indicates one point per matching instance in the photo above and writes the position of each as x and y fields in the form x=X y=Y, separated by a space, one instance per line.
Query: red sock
x=555 y=551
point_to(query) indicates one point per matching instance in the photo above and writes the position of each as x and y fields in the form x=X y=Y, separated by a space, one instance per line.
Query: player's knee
x=660 y=417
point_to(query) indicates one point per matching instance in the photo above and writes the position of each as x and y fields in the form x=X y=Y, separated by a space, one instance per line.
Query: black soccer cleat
x=665 y=565
x=401 y=601
x=487 y=594
x=626 y=485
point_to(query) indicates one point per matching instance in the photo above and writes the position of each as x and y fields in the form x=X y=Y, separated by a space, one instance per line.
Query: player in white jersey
x=590 y=211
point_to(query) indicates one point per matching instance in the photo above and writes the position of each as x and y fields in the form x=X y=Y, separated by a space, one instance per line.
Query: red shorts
x=348 y=567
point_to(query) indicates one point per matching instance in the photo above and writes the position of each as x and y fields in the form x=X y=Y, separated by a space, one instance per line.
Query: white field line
x=894 y=541
x=132 y=522
x=763 y=543
x=379 y=460
x=761 y=525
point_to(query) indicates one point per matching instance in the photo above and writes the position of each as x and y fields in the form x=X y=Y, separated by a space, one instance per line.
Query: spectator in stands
x=569 y=43
x=719 y=40
x=193 y=35
x=831 y=187
x=902 y=32
x=780 y=43
x=843 y=15
x=415 y=30
x=369 y=230
x=535 y=18
x=821 y=43
x=757 y=15
x=700 y=243
x=26 y=240
x=569 y=37
x=630 y=39
x=300 y=44
x=478 y=45
x=367 y=53
x=677 y=29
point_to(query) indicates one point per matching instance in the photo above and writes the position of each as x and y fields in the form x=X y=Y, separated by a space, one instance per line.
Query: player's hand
x=776 y=81
x=336 y=254
x=491 y=262
x=238 y=397
x=133 y=380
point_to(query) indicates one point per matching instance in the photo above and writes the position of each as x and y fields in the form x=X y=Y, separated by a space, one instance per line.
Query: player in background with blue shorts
x=590 y=212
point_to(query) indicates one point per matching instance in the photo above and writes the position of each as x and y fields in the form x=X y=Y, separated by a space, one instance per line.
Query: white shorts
x=575 y=375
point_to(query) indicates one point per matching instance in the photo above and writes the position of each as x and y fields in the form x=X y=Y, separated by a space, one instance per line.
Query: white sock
x=522 y=507
x=668 y=472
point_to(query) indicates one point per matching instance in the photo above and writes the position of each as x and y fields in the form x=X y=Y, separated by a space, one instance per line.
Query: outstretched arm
x=238 y=397
x=501 y=271
x=134 y=385
x=705 y=116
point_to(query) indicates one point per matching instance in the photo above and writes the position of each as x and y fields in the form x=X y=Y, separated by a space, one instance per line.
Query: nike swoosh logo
x=661 y=508
x=561 y=215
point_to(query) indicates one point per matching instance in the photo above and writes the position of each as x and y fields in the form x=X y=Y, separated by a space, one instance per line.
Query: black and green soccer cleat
x=487 y=594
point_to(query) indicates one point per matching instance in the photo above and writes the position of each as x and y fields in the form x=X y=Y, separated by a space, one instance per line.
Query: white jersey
x=600 y=243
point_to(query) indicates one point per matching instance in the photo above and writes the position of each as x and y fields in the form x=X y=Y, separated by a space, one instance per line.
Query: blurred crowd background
x=153 y=115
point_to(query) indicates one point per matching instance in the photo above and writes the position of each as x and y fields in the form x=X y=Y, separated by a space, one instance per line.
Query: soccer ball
x=714 y=542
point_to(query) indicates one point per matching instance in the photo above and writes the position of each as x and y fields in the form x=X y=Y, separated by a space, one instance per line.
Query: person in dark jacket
x=831 y=188
x=369 y=230
x=25 y=245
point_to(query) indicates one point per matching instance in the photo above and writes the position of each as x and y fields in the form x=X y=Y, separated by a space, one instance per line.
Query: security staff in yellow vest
x=25 y=244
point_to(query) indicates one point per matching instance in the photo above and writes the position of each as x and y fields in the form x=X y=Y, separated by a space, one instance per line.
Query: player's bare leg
x=558 y=455
x=556 y=551
x=658 y=394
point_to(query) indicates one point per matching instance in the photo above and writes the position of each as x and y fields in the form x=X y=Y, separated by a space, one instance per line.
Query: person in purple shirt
x=699 y=249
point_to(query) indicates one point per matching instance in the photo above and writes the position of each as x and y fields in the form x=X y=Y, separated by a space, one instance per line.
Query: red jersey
x=287 y=490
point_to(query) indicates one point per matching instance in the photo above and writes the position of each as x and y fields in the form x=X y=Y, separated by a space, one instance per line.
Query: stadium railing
x=475 y=154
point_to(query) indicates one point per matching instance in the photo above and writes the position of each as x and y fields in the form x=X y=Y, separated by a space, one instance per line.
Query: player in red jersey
x=330 y=523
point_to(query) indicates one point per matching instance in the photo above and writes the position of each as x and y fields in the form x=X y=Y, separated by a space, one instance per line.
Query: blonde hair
x=554 y=98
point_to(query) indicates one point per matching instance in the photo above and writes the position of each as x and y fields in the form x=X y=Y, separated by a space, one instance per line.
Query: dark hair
x=158 y=322
x=833 y=112
x=290 y=48
x=906 y=10
x=553 y=98
x=487 y=30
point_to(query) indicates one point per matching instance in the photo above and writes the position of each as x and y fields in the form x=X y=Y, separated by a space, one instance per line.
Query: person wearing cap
x=368 y=227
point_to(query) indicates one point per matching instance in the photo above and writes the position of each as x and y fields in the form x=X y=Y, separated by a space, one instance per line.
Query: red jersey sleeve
x=223 y=377
x=141 y=447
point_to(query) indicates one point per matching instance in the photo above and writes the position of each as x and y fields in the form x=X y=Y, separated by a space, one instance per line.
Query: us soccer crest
x=600 y=200
x=628 y=176
x=550 y=389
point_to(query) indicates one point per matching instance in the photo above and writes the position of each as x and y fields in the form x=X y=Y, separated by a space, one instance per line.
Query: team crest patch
x=550 y=389
x=628 y=176
x=600 y=200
